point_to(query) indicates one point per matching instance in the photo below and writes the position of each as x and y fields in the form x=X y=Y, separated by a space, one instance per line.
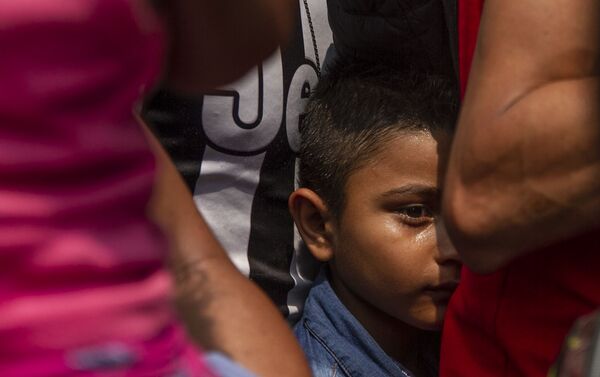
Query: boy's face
x=390 y=248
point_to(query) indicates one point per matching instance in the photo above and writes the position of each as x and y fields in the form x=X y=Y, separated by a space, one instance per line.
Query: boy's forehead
x=409 y=159
x=413 y=147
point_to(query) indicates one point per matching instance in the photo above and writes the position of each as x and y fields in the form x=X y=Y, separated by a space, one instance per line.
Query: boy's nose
x=447 y=253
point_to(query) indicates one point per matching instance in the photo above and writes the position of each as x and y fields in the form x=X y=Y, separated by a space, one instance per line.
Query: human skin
x=223 y=310
x=212 y=43
x=390 y=259
x=215 y=42
x=524 y=170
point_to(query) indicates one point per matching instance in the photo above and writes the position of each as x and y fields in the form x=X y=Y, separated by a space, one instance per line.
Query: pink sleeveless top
x=83 y=287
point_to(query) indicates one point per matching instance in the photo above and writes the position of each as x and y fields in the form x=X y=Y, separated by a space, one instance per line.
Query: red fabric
x=469 y=13
x=512 y=323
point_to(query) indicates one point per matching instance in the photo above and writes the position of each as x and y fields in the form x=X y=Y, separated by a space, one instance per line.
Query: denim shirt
x=335 y=343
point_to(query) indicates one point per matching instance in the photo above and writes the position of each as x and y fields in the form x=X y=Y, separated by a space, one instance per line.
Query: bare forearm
x=530 y=177
x=524 y=167
x=214 y=42
x=223 y=310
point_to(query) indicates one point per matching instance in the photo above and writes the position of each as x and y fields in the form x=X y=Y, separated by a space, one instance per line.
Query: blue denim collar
x=357 y=353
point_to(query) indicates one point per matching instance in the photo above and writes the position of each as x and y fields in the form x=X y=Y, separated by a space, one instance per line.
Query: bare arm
x=524 y=170
x=214 y=42
x=223 y=310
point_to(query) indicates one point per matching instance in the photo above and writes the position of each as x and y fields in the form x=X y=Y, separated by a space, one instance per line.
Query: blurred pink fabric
x=83 y=287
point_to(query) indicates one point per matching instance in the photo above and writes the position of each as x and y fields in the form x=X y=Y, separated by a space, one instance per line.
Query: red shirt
x=513 y=322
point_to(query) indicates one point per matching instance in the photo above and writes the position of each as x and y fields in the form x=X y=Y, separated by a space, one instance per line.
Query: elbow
x=470 y=219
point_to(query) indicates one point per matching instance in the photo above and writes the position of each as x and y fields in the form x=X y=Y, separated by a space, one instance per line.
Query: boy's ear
x=313 y=221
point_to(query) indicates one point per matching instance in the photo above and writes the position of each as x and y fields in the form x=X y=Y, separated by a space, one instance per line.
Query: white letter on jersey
x=252 y=127
x=305 y=79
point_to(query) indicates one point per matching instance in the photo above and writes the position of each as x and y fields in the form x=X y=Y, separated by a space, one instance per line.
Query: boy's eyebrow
x=421 y=190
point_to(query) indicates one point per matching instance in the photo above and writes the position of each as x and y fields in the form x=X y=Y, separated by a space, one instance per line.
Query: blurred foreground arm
x=524 y=170
x=213 y=42
x=223 y=310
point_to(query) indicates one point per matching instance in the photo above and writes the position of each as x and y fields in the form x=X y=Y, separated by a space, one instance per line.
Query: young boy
x=374 y=146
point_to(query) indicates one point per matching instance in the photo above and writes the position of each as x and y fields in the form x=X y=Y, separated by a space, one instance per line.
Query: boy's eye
x=415 y=214
x=415 y=211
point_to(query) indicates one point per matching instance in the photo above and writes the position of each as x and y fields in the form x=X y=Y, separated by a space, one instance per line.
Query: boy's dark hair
x=354 y=110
